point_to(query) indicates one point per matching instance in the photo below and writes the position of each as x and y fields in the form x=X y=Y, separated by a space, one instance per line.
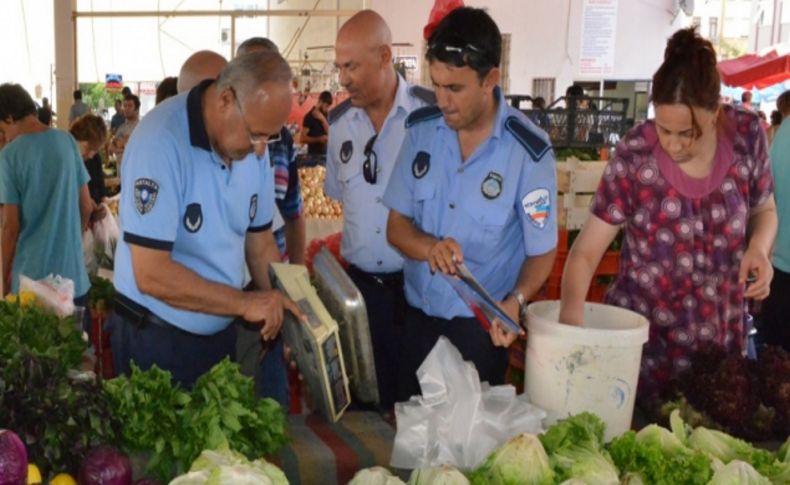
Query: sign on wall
x=599 y=26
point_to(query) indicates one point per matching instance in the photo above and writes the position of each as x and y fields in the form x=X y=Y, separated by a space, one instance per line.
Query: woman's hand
x=756 y=262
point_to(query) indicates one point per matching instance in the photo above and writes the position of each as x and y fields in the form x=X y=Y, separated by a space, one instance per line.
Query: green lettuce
x=594 y=467
x=520 y=461
x=657 y=456
x=585 y=430
x=728 y=448
x=739 y=473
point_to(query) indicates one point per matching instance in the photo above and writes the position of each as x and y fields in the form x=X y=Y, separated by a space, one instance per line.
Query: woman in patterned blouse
x=693 y=192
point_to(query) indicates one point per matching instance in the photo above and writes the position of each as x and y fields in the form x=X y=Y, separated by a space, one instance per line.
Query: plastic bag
x=105 y=233
x=89 y=252
x=458 y=420
x=439 y=11
x=54 y=292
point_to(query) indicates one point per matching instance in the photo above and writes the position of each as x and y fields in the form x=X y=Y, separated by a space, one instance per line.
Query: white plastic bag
x=54 y=292
x=89 y=252
x=105 y=233
x=458 y=420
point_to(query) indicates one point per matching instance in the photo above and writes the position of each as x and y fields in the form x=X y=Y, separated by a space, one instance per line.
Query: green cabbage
x=376 y=475
x=520 y=461
x=440 y=475
x=728 y=448
x=738 y=473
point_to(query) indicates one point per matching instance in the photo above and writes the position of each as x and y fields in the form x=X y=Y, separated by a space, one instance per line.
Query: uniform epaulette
x=423 y=114
x=338 y=111
x=425 y=95
x=531 y=141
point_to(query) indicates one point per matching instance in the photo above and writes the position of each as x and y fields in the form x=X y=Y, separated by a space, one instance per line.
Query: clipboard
x=484 y=307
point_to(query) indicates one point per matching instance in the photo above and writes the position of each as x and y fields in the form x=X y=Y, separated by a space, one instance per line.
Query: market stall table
x=331 y=454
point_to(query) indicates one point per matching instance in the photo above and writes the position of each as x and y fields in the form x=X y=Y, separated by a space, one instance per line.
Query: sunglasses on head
x=459 y=51
x=370 y=167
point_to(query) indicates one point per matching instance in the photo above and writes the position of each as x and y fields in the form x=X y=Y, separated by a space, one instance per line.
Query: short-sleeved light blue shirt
x=42 y=173
x=780 y=166
x=364 y=242
x=178 y=195
x=499 y=205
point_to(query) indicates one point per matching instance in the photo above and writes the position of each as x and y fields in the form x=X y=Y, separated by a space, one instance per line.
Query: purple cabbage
x=13 y=459
x=106 y=466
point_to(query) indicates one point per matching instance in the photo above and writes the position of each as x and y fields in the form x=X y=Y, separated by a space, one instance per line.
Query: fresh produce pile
x=744 y=398
x=224 y=466
x=68 y=420
x=317 y=205
x=175 y=425
x=572 y=452
x=58 y=415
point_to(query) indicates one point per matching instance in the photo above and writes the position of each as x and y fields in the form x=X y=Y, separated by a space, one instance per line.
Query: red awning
x=753 y=71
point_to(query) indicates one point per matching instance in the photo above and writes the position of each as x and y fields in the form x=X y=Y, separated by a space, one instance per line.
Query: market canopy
x=753 y=71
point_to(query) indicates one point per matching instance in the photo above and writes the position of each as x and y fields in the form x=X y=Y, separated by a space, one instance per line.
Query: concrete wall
x=546 y=36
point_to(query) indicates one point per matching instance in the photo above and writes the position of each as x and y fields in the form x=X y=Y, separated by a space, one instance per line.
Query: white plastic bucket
x=592 y=368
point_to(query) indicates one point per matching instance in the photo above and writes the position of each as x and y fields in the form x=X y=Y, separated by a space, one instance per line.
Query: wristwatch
x=522 y=306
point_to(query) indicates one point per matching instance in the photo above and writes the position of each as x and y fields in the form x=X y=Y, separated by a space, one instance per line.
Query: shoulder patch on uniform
x=338 y=111
x=531 y=141
x=422 y=114
x=425 y=95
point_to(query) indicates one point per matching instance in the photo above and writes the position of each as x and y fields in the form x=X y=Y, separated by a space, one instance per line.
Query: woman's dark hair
x=89 y=128
x=166 y=89
x=467 y=37
x=688 y=74
x=15 y=102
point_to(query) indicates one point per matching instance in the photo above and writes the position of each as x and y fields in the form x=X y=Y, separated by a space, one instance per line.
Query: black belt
x=387 y=280
x=137 y=314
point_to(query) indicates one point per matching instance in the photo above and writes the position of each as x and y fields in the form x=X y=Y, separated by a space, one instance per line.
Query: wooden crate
x=576 y=184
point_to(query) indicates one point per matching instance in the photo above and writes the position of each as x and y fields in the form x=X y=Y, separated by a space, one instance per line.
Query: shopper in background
x=91 y=135
x=199 y=66
x=474 y=183
x=78 y=108
x=366 y=133
x=315 y=127
x=746 y=100
x=167 y=88
x=44 y=192
x=774 y=326
x=284 y=242
x=45 y=112
x=196 y=196
x=131 y=114
x=118 y=118
x=693 y=192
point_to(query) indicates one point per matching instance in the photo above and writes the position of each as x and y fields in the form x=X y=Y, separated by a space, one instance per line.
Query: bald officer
x=365 y=134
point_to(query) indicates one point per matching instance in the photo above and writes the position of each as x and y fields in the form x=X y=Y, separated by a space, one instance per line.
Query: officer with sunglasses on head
x=365 y=134
x=473 y=183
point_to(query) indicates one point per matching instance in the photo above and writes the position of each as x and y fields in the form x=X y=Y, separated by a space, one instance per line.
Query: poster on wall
x=599 y=26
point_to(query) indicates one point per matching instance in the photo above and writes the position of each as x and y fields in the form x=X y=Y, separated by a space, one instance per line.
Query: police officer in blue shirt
x=197 y=197
x=473 y=183
x=365 y=135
